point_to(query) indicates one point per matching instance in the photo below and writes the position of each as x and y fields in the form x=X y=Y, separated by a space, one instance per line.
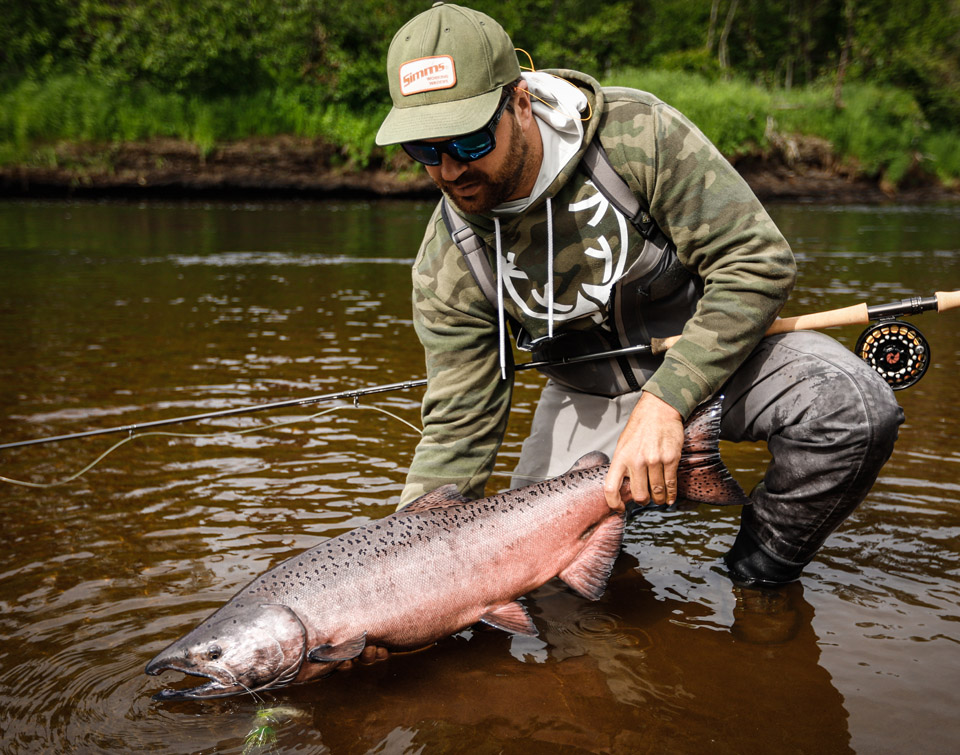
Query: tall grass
x=880 y=131
x=77 y=109
x=732 y=113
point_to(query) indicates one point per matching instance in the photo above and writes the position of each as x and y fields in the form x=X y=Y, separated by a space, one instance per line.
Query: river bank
x=292 y=167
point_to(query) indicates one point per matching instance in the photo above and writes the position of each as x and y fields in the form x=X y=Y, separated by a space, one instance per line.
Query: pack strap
x=596 y=163
x=473 y=250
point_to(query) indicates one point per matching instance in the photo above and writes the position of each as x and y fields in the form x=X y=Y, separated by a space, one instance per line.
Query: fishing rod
x=897 y=350
x=355 y=394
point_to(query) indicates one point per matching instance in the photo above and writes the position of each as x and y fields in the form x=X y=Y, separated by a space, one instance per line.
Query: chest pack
x=653 y=299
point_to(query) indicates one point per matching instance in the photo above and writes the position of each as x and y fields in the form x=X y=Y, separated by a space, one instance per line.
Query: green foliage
x=882 y=128
x=209 y=70
x=941 y=155
x=914 y=45
x=731 y=113
x=697 y=61
x=215 y=48
x=206 y=48
x=77 y=109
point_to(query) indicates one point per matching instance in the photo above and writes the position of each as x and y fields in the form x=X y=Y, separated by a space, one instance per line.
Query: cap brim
x=439 y=120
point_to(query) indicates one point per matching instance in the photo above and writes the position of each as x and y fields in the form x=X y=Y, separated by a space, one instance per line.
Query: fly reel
x=895 y=349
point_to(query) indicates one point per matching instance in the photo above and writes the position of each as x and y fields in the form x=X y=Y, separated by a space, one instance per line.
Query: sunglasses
x=463 y=149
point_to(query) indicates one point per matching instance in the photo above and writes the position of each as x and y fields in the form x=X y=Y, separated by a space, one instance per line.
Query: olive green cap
x=446 y=68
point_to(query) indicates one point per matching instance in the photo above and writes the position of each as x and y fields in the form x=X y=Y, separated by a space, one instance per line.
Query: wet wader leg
x=566 y=425
x=830 y=423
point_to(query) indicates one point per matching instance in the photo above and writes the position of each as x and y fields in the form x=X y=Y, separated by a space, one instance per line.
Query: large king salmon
x=427 y=571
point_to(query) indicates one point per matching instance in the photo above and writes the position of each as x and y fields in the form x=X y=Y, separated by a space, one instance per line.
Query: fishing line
x=898 y=351
x=259 y=428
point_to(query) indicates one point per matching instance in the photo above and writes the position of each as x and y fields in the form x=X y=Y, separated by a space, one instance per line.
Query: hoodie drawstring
x=549 y=269
x=500 y=317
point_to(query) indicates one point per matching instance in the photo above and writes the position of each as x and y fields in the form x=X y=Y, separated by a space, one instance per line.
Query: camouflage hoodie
x=721 y=232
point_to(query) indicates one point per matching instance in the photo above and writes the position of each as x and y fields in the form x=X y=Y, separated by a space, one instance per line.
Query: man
x=543 y=248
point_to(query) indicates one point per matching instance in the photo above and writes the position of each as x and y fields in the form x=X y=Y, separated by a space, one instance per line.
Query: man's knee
x=837 y=400
x=868 y=415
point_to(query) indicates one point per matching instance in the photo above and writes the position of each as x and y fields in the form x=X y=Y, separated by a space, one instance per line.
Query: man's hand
x=648 y=452
x=371 y=654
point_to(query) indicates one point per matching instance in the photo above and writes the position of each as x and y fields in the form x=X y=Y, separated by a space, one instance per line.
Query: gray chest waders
x=653 y=299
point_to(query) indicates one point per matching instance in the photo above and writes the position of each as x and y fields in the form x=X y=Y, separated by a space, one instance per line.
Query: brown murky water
x=113 y=314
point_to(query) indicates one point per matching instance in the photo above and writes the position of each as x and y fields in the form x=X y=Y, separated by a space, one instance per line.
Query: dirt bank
x=287 y=167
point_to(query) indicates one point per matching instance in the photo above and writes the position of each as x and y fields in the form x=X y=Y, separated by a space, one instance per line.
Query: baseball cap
x=446 y=68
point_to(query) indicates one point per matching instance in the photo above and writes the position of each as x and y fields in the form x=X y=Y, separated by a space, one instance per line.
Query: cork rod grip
x=855 y=315
x=947 y=300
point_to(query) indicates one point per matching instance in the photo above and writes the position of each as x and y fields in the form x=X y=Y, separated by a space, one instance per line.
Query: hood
x=591 y=89
x=490 y=226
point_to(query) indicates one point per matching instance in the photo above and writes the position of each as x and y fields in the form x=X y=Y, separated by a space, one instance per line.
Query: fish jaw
x=257 y=648
x=212 y=689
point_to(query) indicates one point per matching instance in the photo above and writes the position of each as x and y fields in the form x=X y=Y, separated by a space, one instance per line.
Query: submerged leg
x=829 y=422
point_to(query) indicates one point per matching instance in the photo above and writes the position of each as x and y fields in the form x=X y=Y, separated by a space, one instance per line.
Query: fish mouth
x=216 y=687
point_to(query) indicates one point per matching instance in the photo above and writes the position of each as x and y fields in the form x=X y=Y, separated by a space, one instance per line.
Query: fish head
x=254 y=648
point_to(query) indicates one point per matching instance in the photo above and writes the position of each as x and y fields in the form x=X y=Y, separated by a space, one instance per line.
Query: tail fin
x=702 y=476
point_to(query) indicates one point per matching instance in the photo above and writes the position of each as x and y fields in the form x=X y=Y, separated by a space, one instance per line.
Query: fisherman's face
x=479 y=186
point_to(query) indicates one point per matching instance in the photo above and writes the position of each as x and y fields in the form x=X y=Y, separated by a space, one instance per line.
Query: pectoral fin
x=588 y=573
x=341 y=651
x=510 y=617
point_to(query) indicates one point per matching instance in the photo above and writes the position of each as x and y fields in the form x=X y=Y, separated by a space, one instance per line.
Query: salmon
x=427 y=571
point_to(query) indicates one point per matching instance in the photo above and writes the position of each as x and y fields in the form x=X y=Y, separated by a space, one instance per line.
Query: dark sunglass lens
x=427 y=154
x=472 y=146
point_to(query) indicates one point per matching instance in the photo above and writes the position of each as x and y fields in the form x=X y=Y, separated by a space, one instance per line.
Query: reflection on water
x=112 y=314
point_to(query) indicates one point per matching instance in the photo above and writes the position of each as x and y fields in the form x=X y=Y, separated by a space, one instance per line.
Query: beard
x=496 y=188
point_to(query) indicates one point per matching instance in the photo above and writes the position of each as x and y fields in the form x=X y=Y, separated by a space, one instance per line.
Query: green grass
x=70 y=108
x=880 y=132
x=941 y=156
x=732 y=114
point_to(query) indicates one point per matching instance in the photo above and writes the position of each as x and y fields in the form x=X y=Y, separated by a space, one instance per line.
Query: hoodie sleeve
x=721 y=232
x=466 y=404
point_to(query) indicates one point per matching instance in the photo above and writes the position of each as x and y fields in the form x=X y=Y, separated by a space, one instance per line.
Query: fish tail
x=702 y=476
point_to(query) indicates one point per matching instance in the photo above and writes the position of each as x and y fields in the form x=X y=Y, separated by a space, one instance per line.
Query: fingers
x=646 y=481
x=648 y=453
x=369 y=655
x=657 y=483
x=662 y=477
x=612 y=485
x=372 y=654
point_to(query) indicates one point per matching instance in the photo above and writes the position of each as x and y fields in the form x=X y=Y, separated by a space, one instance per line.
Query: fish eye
x=214 y=652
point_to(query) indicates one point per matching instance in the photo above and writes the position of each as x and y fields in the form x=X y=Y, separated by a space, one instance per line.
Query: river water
x=112 y=314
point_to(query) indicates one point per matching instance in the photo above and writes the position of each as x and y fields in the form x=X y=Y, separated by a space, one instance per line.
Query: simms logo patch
x=427 y=74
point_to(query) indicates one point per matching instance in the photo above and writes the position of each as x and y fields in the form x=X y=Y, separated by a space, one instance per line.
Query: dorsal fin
x=589 y=461
x=442 y=497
